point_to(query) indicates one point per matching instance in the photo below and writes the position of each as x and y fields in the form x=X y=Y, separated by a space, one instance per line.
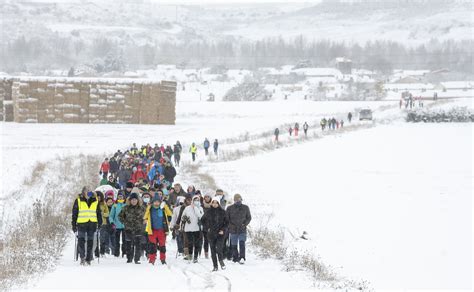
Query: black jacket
x=214 y=220
x=114 y=166
x=169 y=172
x=124 y=175
x=238 y=217
x=75 y=210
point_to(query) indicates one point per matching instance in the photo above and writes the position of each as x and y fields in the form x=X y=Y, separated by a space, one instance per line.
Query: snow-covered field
x=391 y=204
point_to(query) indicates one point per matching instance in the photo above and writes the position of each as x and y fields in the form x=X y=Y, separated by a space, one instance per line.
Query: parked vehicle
x=365 y=114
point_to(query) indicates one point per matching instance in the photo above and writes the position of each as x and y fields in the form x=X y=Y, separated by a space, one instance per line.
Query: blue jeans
x=238 y=239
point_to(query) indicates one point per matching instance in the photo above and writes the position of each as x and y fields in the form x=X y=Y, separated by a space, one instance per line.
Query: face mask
x=238 y=203
x=197 y=203
x=146 y=200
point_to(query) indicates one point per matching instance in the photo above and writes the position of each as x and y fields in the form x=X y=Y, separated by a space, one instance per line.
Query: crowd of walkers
x=330 y=124
x=138 y=205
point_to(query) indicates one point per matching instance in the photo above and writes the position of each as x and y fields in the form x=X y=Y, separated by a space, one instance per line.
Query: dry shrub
x=37 y=172
x=35 y=243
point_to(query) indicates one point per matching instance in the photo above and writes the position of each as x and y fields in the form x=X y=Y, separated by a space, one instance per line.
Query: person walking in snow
x=207 y=144
x=132 y=218
x=297 y=128
x=117 y=225
x=114 y=167
x=169 y=172
x=157 y=228
x=349 y=116
x=107 y=238
x=276 y=133
x=341 y=123
x=192 y=216
x=215 y=146
x=175 y=225
x=206 y=206
x=86 y=217
x=215 y=224
x=323 y=124
x=305 y=128
x=238 y=216
x=290 y=130
x=104 y=168
x=176 y=154
x=193 y=150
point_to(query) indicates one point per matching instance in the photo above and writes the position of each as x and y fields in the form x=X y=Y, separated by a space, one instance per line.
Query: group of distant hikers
x=331 y=124
x=137 y=206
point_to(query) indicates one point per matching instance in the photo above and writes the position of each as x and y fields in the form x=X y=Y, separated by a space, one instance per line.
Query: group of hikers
x=131 y=214
x=410 y=101
x=206 y=145
x=330 y=123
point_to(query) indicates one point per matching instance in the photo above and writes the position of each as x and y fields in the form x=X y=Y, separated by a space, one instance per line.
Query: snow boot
x=242 y=261
x=195 y=260
x=137 y=262
x=222 y=265
x=88 y=263
x=163 y=262
x=215 y=269
x=83 y=262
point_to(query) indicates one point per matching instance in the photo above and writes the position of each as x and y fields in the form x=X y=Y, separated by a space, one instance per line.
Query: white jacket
x=194 y=213
x=175 y=215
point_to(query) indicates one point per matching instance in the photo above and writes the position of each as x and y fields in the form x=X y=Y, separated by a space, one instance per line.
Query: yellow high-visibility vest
x=86 y=213
x=193 y=149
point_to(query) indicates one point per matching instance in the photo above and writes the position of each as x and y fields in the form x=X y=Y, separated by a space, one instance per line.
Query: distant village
x=299 y=82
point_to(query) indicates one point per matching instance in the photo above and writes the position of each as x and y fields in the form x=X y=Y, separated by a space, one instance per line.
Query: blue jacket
x=114 y=215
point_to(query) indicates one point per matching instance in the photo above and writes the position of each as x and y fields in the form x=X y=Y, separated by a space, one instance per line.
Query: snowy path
x=177 y=275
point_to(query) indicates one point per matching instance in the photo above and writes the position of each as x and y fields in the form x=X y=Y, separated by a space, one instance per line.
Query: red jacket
x=138 y=175
x=105 y=167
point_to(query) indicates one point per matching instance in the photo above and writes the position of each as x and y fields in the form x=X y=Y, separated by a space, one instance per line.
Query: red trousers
x=158 y=236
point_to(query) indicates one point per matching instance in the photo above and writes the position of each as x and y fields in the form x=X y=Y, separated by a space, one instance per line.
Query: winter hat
x=215 y=199
x=237 y=198
x=196 y=197
x=109 y=194
x=133 y=196
x=179 y=200
x=155 y=198
x=129 y=185
x=135 y=190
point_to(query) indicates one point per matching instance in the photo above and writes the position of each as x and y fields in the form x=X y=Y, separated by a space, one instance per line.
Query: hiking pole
x=75 y=246
x=98 y=246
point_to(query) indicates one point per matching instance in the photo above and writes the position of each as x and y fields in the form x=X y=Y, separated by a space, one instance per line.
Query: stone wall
x=90 y=100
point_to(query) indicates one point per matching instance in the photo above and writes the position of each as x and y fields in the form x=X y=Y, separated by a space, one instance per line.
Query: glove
x=74 y=228
x=113 y=226
x=162 y=205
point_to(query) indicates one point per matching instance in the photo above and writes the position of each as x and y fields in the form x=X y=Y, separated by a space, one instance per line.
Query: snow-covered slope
x=412 y=22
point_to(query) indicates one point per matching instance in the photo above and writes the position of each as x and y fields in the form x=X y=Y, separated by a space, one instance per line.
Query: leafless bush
x=269 y=243
x=34 y=243
x=37 y=172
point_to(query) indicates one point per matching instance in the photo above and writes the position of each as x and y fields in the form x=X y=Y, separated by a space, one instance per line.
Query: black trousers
x=216 y=243
x=206 y=241
x=119 y=232
x=194 y=243
x=133 y=245
x=85 y=232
